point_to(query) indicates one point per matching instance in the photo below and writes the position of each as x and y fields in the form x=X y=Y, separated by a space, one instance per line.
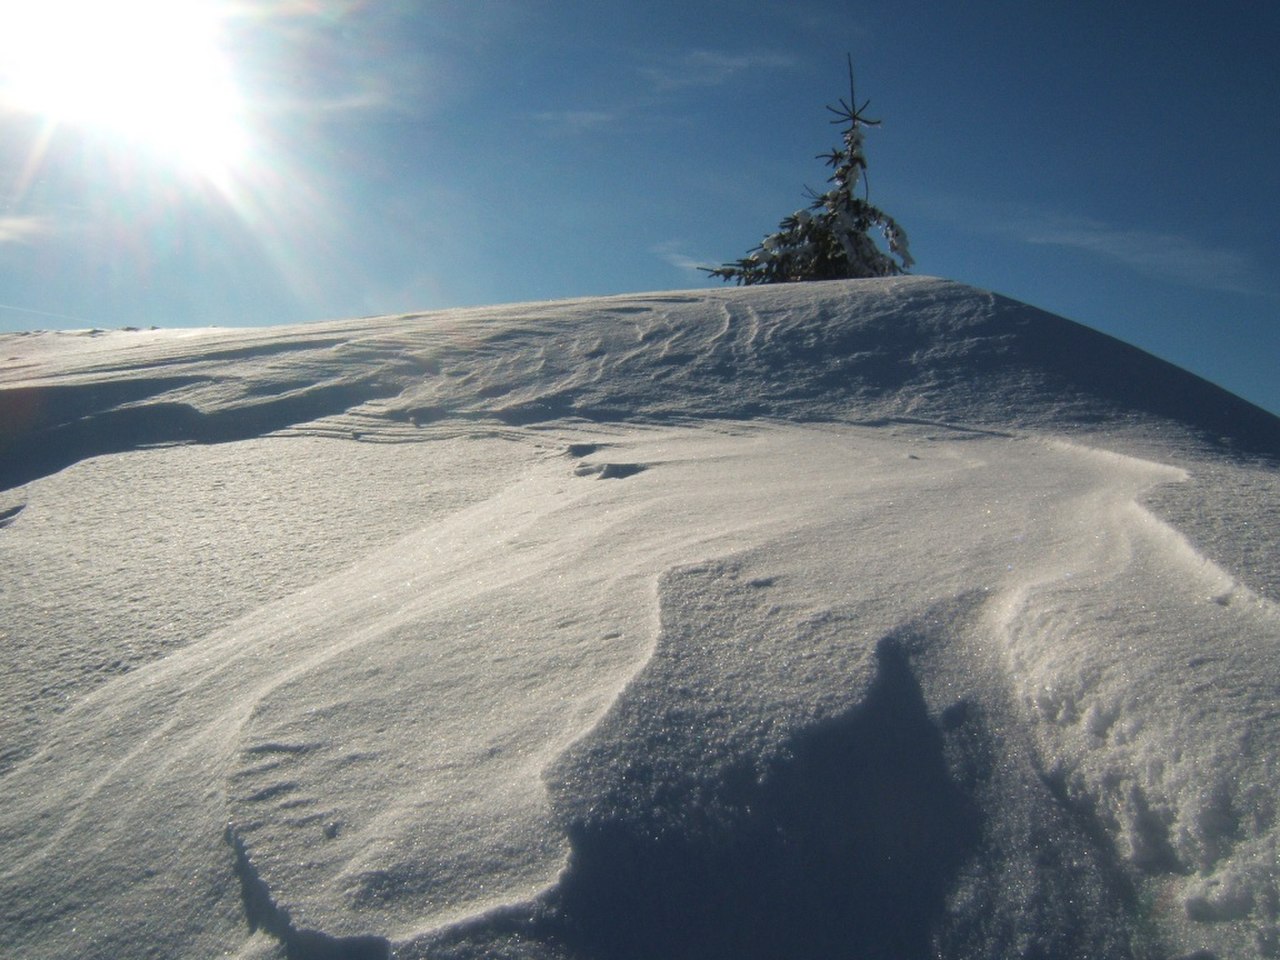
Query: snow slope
x=881 y=618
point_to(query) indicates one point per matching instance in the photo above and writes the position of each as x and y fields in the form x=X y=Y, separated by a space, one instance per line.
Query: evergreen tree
x=831 y=240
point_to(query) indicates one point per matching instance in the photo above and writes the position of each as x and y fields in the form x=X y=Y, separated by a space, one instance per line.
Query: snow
x=871 y=618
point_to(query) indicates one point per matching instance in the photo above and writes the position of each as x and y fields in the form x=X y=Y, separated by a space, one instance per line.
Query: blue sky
x=245 y=162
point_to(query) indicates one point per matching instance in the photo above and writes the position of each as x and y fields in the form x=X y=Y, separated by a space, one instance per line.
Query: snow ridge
x=863 y=350
x=263 y=913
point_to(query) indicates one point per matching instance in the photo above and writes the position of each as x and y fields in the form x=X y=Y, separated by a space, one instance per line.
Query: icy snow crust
x=886 y=618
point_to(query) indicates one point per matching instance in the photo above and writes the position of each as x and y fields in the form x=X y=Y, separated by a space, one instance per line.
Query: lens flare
x=152 y=73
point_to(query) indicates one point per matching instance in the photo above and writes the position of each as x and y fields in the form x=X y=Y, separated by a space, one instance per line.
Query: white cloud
x=23 y=229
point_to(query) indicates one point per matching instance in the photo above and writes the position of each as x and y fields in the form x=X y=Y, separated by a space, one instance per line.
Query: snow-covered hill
x=880 y=618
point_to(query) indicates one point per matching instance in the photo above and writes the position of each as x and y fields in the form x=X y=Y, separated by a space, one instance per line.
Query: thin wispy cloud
x=671 y=251
x=707 y=68
x=577 y=121
x=329 y=105
x=370 y=61
x=1182 y=258
x=24 y=229
x=29 y=312
x=1167 y=255
x=664 y=74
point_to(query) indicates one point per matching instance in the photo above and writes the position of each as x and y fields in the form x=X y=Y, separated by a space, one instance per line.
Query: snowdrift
x=884 y=618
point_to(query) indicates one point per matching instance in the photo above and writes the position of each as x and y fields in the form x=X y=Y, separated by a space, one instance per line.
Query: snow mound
x=885 y=618
x=905 y=347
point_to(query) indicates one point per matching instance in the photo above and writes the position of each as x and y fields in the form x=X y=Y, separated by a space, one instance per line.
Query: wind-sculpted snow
x=905 y=347
x=838 y=621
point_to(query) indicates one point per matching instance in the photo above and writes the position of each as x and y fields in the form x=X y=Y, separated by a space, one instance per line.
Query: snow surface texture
x=882 y=618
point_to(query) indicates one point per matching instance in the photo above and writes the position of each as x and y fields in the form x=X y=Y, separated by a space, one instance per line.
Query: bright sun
x=149 y=71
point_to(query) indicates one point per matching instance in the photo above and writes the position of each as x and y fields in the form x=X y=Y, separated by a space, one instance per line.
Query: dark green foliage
x=832 y=238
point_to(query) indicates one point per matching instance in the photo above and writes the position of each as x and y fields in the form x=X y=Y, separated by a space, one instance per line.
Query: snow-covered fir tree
x=832 y=239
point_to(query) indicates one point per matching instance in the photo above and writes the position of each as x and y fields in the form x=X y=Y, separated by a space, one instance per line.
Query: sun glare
x=151 y=72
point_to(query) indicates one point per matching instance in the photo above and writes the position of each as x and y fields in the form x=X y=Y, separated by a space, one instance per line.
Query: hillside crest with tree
x=832 y=238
